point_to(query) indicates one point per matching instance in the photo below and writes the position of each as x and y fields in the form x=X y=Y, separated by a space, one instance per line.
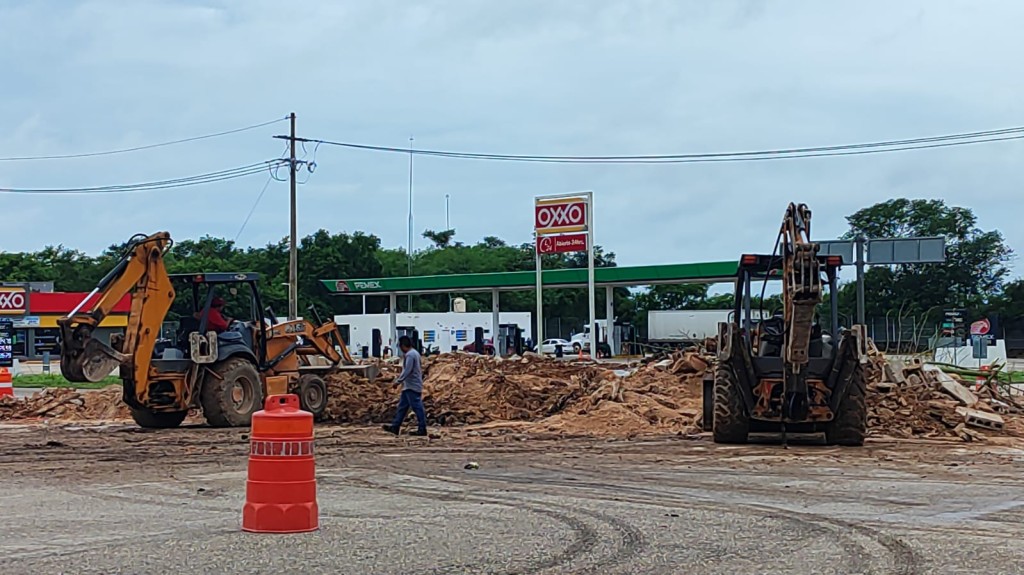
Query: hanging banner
x=562 y=244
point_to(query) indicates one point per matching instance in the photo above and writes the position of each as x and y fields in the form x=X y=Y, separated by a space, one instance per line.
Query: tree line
x=975 y=276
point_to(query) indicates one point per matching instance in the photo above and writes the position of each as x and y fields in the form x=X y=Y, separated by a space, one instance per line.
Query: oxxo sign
x=562 y=216
x=13 y=301
x=563 y=224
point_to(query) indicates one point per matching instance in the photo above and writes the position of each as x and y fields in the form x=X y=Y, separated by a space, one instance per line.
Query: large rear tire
x=232 y=394
x=313 y=395
x=850 y=426
x=158 y=419
x=731 y=424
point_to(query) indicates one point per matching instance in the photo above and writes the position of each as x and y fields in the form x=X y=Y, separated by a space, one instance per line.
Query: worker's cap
x=217 y=302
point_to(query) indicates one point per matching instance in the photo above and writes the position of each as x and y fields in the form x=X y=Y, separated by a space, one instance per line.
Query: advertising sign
x=561 y=215
x=565 y=223
x=562 y=244
x=981 y=327
x=13 y=301
x=6 y=343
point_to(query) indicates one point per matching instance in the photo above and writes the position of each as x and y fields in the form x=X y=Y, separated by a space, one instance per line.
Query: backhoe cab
x=227 y=374
x=786 y=374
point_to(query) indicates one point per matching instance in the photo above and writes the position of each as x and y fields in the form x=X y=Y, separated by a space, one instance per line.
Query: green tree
x=972 y=275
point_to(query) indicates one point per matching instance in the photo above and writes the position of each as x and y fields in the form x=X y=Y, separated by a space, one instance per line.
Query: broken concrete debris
x=535 y=394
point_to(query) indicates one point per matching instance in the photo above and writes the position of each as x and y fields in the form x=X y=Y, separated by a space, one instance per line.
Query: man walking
x=412 y=390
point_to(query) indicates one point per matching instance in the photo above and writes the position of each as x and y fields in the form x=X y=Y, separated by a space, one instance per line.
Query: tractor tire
x=731 y=424
x=850 y=426
x=576 y=348
x=313 y=395
x=158 y=419
x=230 y=399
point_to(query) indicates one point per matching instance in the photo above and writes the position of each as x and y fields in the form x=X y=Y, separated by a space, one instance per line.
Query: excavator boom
x=141 y=273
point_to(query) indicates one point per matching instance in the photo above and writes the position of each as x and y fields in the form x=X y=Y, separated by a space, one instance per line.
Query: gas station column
x=393 y=327
x=499 y=348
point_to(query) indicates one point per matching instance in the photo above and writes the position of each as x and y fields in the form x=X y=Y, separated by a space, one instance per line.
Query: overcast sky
x=519 y=77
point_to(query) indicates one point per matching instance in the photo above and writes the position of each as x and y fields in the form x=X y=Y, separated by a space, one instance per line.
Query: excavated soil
x=573 y=398
x=578 y=398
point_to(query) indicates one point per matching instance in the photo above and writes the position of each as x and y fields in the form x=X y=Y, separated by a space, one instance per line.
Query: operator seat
x=237 y=332
x=772 y=330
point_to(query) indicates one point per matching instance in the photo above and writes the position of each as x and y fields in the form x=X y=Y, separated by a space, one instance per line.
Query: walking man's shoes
x=419 y=433
x=390 y=430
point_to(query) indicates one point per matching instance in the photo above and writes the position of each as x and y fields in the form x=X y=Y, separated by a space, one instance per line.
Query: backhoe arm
x=141 y=273
x=801 y=289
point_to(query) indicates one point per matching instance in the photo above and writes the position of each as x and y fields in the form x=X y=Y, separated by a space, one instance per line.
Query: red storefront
x=35 y=315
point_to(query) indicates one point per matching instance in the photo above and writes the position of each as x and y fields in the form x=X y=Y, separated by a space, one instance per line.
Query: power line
x=138 y=148
x=209 y=177
x=253 y=208
x=949 y=140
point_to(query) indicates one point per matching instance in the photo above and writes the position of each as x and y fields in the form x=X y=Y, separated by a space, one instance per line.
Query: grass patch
x=54 y=380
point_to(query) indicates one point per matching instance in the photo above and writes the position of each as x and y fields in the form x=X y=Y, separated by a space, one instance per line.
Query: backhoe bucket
x=85 y=359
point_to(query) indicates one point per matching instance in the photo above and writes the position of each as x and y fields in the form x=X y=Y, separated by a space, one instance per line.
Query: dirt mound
x=68 y=405
x=566 y=397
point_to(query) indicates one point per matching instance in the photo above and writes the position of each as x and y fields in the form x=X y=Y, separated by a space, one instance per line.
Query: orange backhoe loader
x=227 y=374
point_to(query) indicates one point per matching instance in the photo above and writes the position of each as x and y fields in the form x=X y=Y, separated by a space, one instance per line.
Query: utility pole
x=293 y=251
x=408 y=302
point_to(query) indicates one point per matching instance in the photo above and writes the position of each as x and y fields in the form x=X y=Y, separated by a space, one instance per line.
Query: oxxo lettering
x=561 y=215
x=12 y=301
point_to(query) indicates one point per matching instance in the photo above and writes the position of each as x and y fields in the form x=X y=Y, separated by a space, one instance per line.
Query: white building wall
x=440 y=329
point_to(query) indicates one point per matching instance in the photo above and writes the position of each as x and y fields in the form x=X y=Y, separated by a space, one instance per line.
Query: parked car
x=471 y=347
x=549 y=346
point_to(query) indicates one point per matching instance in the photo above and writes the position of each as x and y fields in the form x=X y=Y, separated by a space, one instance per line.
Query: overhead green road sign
x=708 y=272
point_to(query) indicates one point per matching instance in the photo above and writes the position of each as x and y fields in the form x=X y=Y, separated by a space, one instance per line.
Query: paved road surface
x=118 y=500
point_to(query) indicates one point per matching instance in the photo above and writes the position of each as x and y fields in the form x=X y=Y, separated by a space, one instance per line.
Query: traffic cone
x=6 y=383
x=280 y=494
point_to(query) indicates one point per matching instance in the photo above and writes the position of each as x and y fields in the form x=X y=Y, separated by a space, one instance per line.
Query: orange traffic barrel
x=6 y=383
x=280 y=493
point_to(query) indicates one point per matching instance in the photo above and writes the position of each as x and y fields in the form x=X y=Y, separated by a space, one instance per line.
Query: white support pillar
x=499 y=349
x=609 y=319
x=393 y=327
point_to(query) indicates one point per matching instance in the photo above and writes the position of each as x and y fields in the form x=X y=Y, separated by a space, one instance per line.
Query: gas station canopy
x=708 y=272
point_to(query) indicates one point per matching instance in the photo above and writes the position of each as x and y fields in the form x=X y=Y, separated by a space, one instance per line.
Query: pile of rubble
x=565 y=397
x=911 y=399
x=67 y=404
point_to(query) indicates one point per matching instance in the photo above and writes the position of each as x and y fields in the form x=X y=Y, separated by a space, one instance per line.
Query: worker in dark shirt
x=215 y=320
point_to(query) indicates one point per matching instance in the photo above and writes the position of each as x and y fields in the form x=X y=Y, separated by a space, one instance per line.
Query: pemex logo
x=560 y=215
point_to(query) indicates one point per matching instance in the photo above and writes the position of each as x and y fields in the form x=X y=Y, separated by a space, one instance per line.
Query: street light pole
x=408 y=303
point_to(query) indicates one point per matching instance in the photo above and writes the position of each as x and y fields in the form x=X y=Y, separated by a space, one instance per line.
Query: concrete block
x=982 y=419
x=893 y=370
x=951 y=386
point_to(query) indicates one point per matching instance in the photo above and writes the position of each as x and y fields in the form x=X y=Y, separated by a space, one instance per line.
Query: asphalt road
x=115 y=500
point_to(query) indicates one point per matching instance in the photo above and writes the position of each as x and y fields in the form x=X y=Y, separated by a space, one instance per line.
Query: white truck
x=582 y=340
x=679 y=328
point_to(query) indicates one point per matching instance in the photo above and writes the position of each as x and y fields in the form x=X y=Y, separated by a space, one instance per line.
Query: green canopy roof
x=709 y=272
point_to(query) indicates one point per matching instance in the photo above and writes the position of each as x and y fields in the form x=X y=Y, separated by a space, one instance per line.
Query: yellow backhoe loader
x=227 y=374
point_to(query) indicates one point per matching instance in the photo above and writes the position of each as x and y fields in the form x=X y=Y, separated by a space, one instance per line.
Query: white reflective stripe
x=6 y=384
x=265 y=448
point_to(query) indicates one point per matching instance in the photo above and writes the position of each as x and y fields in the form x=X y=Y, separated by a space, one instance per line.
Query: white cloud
x=525 y=77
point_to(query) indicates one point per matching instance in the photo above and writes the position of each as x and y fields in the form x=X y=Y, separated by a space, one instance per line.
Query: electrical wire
x=146 y=147
x=253 y=208
x=210 y=177
x=948 y=140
